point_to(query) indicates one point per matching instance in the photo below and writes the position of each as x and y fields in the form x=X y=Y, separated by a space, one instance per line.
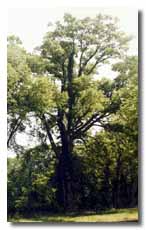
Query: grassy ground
x=109 y=216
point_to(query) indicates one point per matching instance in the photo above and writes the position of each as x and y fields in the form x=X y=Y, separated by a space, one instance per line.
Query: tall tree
x=67 y=99
x=74 y=50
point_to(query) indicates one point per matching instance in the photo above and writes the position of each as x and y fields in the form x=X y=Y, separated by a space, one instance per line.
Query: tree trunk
x=64 y=171
x=116 y=189
x=65 y=188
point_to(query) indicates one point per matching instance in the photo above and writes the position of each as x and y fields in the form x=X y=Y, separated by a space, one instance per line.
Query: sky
x=30 y=24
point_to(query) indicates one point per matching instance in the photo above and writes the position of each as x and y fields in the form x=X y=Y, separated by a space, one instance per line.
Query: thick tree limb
x=98 y=60
x=14 y=129
x=70 y=88
x=48 y=130
x=79 y=121
x=88 y=124
x=80 y=62
x=83 y=65
x=91 y=56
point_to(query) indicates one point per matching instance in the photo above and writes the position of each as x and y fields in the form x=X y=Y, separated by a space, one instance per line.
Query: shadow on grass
x=118 y=211
x=69 y=217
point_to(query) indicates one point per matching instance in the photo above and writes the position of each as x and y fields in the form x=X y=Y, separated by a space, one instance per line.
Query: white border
x=3 y=115
x=4 y=5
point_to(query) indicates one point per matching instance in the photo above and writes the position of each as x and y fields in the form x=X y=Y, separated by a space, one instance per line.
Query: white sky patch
x=31 y=24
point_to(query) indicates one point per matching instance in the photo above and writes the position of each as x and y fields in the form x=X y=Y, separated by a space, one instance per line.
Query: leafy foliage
x=34 y=190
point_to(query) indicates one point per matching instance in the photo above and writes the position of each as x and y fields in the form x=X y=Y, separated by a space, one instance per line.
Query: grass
x=120 y=215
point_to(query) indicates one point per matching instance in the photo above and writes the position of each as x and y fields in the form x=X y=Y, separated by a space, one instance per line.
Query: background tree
x=18 y=86
x=27 y=94
x=35 y=190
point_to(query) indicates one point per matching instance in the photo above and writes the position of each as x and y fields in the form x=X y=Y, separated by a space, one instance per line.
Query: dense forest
x=83 y=126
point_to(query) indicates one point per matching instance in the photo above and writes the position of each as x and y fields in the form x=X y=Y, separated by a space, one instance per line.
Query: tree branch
x=46 y=124
x=14 y=129
x=88 y=124
x=83 y=66
x=78 y=122
x=97 y=62
x=80 y=62
x=70 y=88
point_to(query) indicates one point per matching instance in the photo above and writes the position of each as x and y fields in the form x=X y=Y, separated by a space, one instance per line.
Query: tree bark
x=117 y=182
x=64 y=172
